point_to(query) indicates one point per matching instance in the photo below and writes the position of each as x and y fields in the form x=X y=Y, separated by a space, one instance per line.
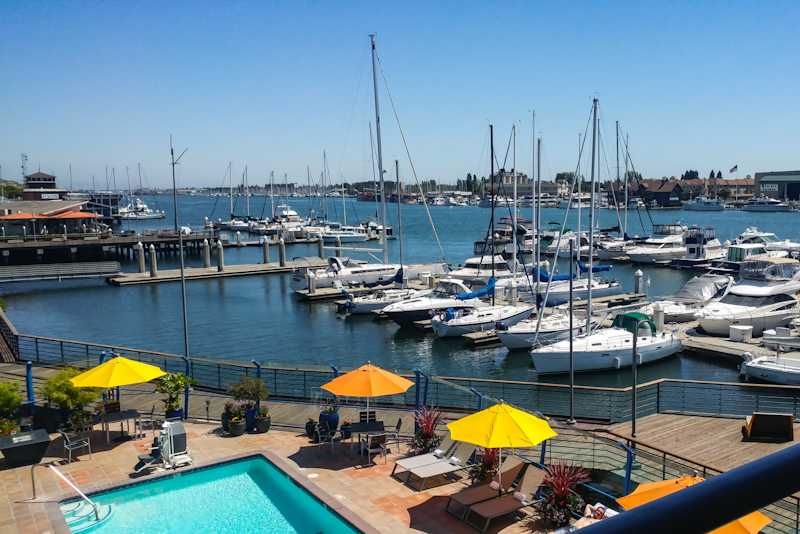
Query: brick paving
x=365 y=489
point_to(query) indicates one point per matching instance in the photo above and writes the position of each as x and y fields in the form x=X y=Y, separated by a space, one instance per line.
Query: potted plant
x=236 y=425
x=482 y=471
x=329 y=414
x=426 y=439
x=226 y=415
x=59 y=391
x=250 y=391
x=263 y=420
x=345 y=429
x=10 y=398
x=311 y=424
x=172 y=385
x=561 y=502
x=7 y=426
x=81 y=420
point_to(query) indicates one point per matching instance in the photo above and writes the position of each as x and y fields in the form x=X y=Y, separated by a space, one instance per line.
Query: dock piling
x=321 y=248
x=153 y=262
x=312 y=283
x=206 y=254
x=338 y=247
x=238 y=239
x=638 y=281
x=282 y=252
x=140 y=256
x=220 y=258
x=658 y=316
x=265 y=246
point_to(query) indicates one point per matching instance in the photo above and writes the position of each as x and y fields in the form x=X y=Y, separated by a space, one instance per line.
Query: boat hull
x=588 y=360
x=773 y=369
x=454 y=328
x=760 y=321
x=525 y=340
x=409 y=317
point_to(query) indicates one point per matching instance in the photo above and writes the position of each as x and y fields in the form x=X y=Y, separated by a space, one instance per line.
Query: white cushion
x=495 y=485
x=455 y=461
x=609 y=511
x=439 y=453
x=519 y=496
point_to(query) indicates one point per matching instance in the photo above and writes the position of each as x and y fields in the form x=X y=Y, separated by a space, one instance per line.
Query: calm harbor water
x=258 y=317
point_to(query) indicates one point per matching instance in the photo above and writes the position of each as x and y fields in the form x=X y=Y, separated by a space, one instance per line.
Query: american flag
x=735 y=168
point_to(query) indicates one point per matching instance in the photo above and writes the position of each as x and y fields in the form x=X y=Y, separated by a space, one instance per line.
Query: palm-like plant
x=426 y=439
x=559 y=506
x=561 y=478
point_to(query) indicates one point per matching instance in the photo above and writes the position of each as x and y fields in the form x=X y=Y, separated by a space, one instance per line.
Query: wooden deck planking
x=713 y=441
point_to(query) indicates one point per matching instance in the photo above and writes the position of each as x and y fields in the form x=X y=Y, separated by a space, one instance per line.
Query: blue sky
x=271 y=85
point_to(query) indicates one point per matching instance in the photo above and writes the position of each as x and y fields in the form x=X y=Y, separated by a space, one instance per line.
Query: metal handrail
x=65 y=479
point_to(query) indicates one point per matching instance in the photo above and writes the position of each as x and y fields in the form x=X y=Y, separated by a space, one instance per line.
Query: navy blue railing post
x=335 y=371
x=114 y=355
x=628 y=467
x=418 y=373
x=480 y=397
x=105 y=391
x=425 y=391
x=544 y=443
x=29 y=384
x=186 y=390
x=258 y=375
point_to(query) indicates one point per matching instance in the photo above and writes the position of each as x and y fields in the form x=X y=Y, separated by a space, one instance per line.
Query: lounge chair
x=447 y=446
x=465 y=498
x=457 y=462
x=523 y=496
x=146 y=460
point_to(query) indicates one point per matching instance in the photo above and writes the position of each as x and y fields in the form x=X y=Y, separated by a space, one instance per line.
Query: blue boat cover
x=398 y=278
x=488 y=290
x=584 y=268
x=544 y=276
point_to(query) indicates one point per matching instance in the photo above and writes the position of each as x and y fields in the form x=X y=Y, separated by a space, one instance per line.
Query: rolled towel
x=439 y=453
x=519 y=496
x=495 y=485
x=455 y=461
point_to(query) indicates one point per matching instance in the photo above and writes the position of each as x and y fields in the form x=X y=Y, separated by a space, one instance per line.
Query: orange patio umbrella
x=368 y=381
x=645 y=493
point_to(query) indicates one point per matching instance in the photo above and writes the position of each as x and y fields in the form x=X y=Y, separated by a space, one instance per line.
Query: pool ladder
x=69 y=483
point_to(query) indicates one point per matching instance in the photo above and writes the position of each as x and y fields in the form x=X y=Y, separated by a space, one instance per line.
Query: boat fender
x=442 y=316
x=616 y=363
x=501 y=326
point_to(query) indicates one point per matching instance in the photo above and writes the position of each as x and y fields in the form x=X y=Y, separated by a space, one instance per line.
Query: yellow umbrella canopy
x=368 y=381
x=501 y=426
x=645 y=493
x=115 y=372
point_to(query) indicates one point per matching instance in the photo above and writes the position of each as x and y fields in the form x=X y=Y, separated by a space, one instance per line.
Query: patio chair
x=146 y=460
x=73 y=442
x=366 y=416
x=374 y=444
x=325 y=435
x=501 y=484
x=396 y=434
x=447 y=446
x=457 y=462
x=147 y=421
x=523 y=496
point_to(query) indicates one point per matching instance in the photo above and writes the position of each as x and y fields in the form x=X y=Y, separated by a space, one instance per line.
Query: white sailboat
x=555 y=327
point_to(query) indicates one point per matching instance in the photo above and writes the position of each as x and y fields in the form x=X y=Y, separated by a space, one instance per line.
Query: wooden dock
x=272 y=242
x=612 y=300
x=482 y=339
x=204 y=273
x=720 y=346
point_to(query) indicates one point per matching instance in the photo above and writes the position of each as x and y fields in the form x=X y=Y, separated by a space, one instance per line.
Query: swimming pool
x=243 y=496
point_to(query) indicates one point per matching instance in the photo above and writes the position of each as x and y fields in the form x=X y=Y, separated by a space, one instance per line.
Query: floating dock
x=204 y=273
x=328 y=293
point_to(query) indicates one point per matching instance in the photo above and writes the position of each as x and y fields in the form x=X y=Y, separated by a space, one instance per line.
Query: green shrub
x=60 y=391
x=248 y=390
x=10 y=398
x=172 y=385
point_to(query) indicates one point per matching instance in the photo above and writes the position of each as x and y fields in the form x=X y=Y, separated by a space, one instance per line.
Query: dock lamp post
x=640 y=325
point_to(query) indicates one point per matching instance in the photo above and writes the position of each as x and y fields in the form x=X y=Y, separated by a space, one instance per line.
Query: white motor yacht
x=464 y=321
x=774 y=368
x=702 y=247
x=484 y=267
x=766 y=204
x=380 y=299
x=140 y=211
x=768 y=239
x=681 y=306
x=736 y=254
x=443 y=297
x=704 y=204
x=608 y=348
x=348 y=272
x=665 y=244
x=764 y=298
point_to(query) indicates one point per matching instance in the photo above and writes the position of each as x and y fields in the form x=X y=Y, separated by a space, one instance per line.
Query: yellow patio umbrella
x=368 y=381
x=116 y=372
x=645 y=493
x=501 y=426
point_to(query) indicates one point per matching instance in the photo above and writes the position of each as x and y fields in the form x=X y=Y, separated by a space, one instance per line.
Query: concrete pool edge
x=59 y=523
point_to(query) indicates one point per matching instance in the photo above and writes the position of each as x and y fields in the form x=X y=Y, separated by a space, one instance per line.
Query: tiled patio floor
x=367 y=490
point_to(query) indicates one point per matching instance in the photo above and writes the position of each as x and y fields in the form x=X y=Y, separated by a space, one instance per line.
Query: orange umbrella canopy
x=645 y=493
x=368 y=381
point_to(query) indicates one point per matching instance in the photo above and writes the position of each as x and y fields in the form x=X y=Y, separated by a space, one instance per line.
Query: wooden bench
x=773 y=427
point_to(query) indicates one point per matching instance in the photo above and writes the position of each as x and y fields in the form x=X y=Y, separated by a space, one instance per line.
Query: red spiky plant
x=561 y=478
x=426 y=439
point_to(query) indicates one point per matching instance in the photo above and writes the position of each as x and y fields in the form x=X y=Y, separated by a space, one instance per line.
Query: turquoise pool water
x=243 y=497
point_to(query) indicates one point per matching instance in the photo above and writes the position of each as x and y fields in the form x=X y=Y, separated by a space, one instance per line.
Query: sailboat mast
x=344 y=206
x=513 y=211
x=626 y=186
x=591 y=234
x=578 y=180
x=537 y=235
x=399 y=218
x=491 y=194
x=380 y=150
x=308 y=175
x=246 y=194
x=272 y=192
x=614 y=193
x=230 y=181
